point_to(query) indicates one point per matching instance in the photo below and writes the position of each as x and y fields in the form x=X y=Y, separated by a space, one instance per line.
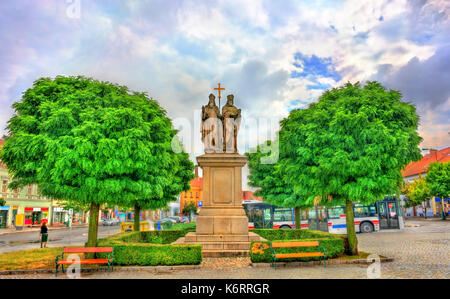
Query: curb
x=32 y=230
x=154 y=269
x=318 y=263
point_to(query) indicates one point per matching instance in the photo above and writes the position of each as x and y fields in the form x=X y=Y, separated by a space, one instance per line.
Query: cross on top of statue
x=219 y=89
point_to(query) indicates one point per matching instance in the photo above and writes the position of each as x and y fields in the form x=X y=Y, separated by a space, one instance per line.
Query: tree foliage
x=91 y=142
x=416 y=192
x=268 y=180
x=348 y=147
x=352 y=144
x=438 y=179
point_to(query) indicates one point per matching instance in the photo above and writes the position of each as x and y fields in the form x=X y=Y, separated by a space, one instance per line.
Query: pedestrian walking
x=44 y=233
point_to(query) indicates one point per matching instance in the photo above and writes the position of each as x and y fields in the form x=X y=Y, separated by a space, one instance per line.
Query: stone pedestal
x=222 y=225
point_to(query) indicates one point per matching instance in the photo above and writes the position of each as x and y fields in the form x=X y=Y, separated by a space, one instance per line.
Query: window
x=335 y=213
x=364 y=211
x=5 y=186
x=304 y=214
x=282 y=214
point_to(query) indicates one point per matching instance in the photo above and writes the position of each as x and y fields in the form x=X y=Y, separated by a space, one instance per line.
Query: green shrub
x=191 y=226
x=292 y=234
x=151 y=248
x=260 y=252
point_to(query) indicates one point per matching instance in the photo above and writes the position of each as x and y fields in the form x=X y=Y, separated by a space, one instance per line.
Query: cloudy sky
x=274 y=56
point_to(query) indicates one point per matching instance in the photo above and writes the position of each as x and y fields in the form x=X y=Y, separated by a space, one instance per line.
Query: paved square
x=419 y=252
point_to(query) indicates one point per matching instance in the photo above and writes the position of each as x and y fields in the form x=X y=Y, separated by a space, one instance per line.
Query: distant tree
x=416 y=193
x=180 y=175
x=89 y=142
x=438 y=181
x=264 y=174
x=349 y=147
x=2 y=202
x=189 y=209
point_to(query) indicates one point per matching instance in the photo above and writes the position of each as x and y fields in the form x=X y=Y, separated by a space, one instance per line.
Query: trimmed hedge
x=151 y=248
x=260 y=251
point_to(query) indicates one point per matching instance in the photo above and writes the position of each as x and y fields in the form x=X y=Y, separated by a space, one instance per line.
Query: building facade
x=193 y=195
x=26 y=201
x=415 y=170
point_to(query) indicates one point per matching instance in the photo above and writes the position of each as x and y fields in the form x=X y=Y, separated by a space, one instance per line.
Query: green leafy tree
x=438 y=181
x=349 y=147
x=89 y=142
x=416 y=193
x=182 y=172
x=189 y=208
x=264 y=175
x=2 y=202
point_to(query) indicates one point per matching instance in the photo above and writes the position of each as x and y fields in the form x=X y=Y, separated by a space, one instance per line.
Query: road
x=75 y=236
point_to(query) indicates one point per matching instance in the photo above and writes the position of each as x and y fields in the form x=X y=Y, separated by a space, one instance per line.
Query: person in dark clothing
x=44 y=234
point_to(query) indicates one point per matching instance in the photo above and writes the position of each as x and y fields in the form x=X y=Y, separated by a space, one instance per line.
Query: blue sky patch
x=315 y=67
x=297 y=104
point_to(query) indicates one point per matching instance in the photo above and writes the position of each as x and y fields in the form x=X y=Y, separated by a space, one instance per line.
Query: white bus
x=368 y=218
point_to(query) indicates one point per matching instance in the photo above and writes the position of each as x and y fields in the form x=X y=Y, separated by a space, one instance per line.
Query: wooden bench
x=320 y=252
x=108 y=260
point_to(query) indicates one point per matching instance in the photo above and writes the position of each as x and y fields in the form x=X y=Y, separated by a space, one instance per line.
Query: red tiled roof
x=249 y=195
x=415 y=168
x=197 y=182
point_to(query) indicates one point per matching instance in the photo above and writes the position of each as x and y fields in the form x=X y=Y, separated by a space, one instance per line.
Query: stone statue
x=211 y=126
x=231 y=117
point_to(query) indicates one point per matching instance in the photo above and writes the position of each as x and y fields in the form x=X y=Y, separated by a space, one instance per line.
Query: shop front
x=59 y=216
x=4 y=217
x=34 y=215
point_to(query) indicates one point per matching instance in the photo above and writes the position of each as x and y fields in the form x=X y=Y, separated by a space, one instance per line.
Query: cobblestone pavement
x=419 y=252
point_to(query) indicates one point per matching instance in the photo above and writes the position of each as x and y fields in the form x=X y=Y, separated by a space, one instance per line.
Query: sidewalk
x=421 y=218
x=7 y=231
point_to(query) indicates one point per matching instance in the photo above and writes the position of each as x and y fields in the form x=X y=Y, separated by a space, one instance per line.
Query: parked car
x=105 y=222
x=115 y=221
x=176 y=218
x=168 y=220
x=110 y=222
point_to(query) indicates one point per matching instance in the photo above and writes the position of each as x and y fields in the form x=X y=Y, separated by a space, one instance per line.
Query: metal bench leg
x=56 y=270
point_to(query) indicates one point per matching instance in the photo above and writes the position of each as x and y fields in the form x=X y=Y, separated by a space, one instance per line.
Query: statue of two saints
x=219 y=131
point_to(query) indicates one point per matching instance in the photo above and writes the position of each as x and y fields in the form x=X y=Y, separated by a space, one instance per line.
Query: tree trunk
x=297 y=217
x=137 y=218
x=93 y=228
x=351 y=233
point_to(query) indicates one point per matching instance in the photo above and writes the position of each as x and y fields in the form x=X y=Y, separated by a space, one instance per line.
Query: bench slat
x=299 y=254
x=88 y=249
x=83 y=261
x=295 y=244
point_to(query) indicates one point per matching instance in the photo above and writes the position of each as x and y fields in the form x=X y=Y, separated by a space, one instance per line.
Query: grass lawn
x=33 y=259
